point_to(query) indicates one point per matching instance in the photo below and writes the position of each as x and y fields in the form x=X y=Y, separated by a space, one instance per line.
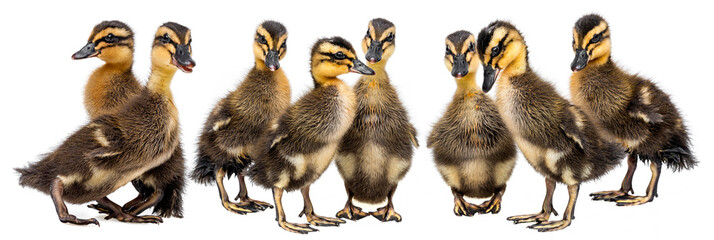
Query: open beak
x=182 y=59
x=359 y=67
x=580 y=61
x=460 y=67
x=374 y=52
x=489 y=77
x=86 y=52
x=272 y=60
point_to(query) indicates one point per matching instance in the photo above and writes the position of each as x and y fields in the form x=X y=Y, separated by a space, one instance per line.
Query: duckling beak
x=460 y=67
x=489 y=77
x=374 y=52
x=86 y=52
x=182 y=59
x=580 y=61
x=272 y=60
x=361 y=68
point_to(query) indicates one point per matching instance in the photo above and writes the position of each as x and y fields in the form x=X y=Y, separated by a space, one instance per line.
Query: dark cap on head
x=587 y=23
x=274 y=28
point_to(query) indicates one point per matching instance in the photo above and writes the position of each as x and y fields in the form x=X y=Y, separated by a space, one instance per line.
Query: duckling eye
x=495 y=51
x=596 y=38
x=472 y=47
x=261 y=39
x=165 y=38
x=448 y=50
x=367 y=35
x=285 y=44
x=109 y=38
x=340 y=55
x=389 y=38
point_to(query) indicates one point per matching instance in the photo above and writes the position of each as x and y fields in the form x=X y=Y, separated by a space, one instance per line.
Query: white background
x=41 y=97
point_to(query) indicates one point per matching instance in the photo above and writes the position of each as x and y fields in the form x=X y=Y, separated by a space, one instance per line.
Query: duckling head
x=110 y=41
x=270 y=44
x=172 y=48
x=331 y=57
x=502 y=51
x=591 y=41
x=461 y=58
x=378 y=43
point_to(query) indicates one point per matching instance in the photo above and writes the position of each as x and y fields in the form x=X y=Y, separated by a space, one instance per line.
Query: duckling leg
x=626 y=183
x=245 y=200
x=387 y=213
x=628 y=200
x=351 y=211
x=56 y=192
x=139 y=207
x=122 y=216
x=461 y=206
x=134 y=202
x=568 y=216
x=544 y=214
x=494 y=204
x=239 y=208
x=313 y=218
x=280 y=216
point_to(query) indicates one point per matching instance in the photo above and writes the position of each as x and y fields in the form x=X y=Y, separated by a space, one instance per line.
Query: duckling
x=473 y=149
x=115 y=148
x=107 y=90
x=557 y=138
x=375 y=153
x=302 y=144
x=232 y=131
x=629 y=109
x=111 y=85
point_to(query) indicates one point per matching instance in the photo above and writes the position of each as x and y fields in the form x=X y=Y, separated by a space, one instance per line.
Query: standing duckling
x=108 y=89
x=115 y=148
x=302 y=144
x=629 y=109
x=473 y=149
x=556 y=137
x=376 y=151
x=231 y=133
x=111 y=85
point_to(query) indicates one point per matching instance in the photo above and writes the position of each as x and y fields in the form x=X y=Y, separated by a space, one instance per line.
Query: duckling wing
x=573 y=120
x=109 y=139
x=642 y=106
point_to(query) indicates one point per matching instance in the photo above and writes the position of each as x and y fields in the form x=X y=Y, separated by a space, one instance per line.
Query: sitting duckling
x=473 y=149
x=107 y=90
x=629 y=109
x=556 y=137
x=232 y=131
x=115 y=148
x=301 y=145
x=376 y=151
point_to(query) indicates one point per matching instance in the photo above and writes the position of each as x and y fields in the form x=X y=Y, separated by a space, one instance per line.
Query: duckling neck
x=322 y=81
x=260 y=65
x=160 y=80
x=380 y=75
x=467 y=84
x=519 y=66
x=600 y=60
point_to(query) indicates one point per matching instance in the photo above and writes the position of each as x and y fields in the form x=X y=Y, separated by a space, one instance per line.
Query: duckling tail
x=171 y=205
x=677 y=154
x=37 y=176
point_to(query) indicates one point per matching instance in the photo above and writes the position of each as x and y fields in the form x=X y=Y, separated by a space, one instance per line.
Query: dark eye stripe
x=118 y=39
x=602 y=37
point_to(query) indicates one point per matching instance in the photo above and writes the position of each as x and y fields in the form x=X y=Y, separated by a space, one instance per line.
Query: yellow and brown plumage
x=113 y=149
x=375 y=153
x=628 y=109
x=108 y=89
x=473 y=149
x=232 y=132
x=111 y=85
x=302 y=144
x=557 y=138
